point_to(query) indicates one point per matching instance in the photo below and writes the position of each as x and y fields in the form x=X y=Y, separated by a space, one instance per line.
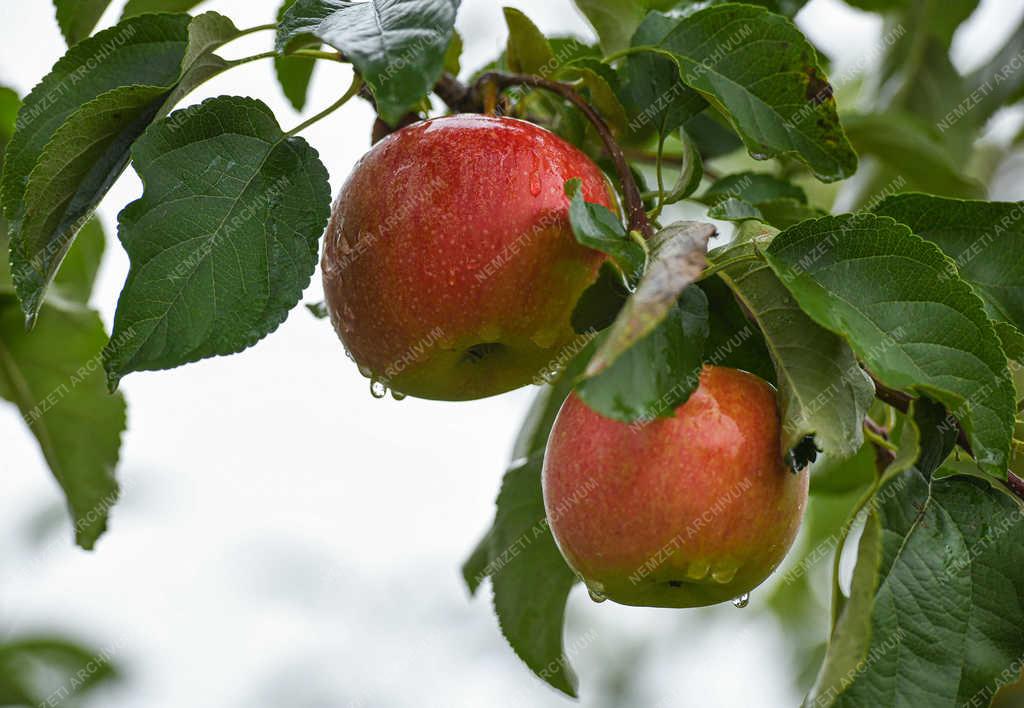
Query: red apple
x=684 y=511
x=450 y=268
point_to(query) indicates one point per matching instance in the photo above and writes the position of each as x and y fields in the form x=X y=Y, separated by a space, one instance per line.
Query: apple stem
x=471 y=99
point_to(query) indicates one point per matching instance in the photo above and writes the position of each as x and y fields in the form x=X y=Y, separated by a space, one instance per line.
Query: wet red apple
x=450 y=268
x=685 y=511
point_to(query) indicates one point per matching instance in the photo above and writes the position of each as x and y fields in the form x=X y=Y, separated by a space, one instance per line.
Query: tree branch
x=901 y=402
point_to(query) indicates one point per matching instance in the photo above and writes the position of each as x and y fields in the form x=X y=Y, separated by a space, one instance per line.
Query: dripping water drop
x=742 y=601
x=377 y=388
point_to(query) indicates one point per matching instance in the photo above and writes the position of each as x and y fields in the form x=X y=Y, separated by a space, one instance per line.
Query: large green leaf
x=222 y=242
x=822 y=390
x=530 y=579
x=934 y=616
x=527 y=50
x=760 y=71
x=985 y=239
x=398 y=46
x=914 y=323
x=530 y=587
x=76 y=128
x=32 y=665
x=54 y=377
x=77 y=18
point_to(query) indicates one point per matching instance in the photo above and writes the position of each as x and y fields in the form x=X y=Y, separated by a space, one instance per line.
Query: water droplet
x=596 y=591
x=535 y=183
x=378 y=389
x=724 y=574
x=759 y=156
x=741 y=601
x=349 y=355
x=397 y=395
x=698 y=570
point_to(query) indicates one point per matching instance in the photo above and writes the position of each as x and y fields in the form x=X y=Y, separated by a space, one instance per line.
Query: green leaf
x=658 y=373
x=528 y=50
x=780 y=213
x=678 y=255
x=601 y=86
x=142 y=7
x=997 y=83
x=690 y=174
x=908 y=148
x=752 y=187
x=532 y=586
x=917 y=327
x=54 y=377
x=293 y=73
x=733 y=340
x=77 y=125
x=530 y=579
x=78 y=272
x=985 y=239
x=761 y=72
x=78 y=18
x=222 y=242
x=615 y=21
x=32 y=665
x=822 y=390
x=595 y=226
x=601 y=302
x=398 y=46
x=650 y=87
x=453 y=54
x=948 y=553
x=9 y=106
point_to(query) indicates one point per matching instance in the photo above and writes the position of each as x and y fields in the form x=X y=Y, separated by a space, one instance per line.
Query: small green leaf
x=77 y=125
x=761 y=72
x=596 y=227
x=54 y=377
x=822 y=390
x=733 y=209
x=916 y=326
x=616 y=20
x=752 y=187
x=658 y=373
x=601 y=87
x=527 y=50
x=690 y=174
x=453 y=54
x=984 y=239
x=78 y=18
x=780 y=213
x=293 y=73
x=32 y=665
x=398 y=46
x=142 y=7
x=222 y=242
x=678 y=255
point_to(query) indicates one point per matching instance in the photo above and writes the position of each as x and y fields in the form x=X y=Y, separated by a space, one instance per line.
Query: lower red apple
x=685 y=511
x=450 y=268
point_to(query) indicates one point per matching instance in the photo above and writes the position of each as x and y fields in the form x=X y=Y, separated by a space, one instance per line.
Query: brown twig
x=471 y=99
x=901 y=402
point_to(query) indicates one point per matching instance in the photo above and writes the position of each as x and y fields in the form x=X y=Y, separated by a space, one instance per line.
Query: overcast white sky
x=285 y=539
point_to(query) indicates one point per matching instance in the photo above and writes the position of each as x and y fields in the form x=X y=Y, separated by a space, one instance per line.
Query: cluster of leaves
x=917 y=297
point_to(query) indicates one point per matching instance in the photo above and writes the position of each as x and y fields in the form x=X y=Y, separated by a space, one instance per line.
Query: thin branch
x=901 y=402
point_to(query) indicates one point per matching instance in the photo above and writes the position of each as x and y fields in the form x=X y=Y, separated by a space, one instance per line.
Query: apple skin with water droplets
x=683 y=511
x=450 y=268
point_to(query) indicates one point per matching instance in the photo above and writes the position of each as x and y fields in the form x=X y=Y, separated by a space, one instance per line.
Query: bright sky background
x=285 y=539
